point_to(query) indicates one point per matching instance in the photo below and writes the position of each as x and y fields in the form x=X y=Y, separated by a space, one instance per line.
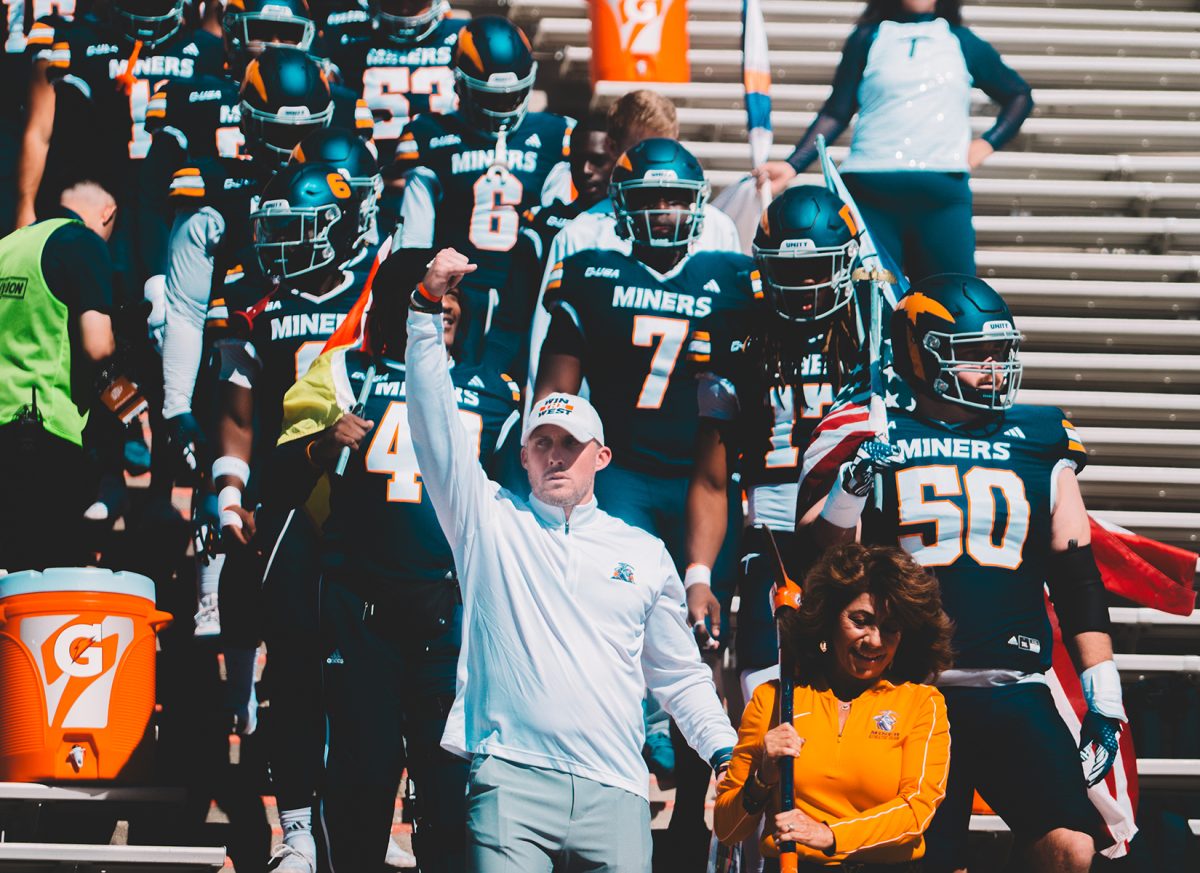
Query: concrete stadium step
x=1136 y=446
x=1132 y=408
x=1134 y=666
x=785 y=36
x=1146 y=487
x=1155 y=622
x=1170 y=374
x=70 y=858
x=1125 y=299
x=1112 y=334
x=1002 y=165
x=1041 y=71
x=1038 y=134
x=1176 y=528
x=1048 y=102
x=1075 y=264
x=1089 y=231
x=528 y=12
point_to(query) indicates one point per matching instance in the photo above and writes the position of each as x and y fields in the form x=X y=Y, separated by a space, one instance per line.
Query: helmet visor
x=251 y=33
x=980 y=370
x=151 y=21
x=282 y=131
x=654 y=214
x=410 y=20
x=290 y=242
x=500 y=102
x=807 y=284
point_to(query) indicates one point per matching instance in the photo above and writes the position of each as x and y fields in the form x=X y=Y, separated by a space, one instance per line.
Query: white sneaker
x=398 y=857
x=208 y=617
x=292 y=860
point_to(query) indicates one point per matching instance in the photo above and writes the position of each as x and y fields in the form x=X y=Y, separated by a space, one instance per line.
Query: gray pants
x=523 y=819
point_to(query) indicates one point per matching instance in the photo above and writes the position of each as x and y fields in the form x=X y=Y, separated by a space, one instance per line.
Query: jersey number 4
x=391 y=451
x=984 y=487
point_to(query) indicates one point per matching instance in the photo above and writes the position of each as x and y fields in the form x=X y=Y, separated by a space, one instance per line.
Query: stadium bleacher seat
x=71 y=858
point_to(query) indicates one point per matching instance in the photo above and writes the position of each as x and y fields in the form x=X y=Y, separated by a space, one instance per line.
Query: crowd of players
x=281 y=187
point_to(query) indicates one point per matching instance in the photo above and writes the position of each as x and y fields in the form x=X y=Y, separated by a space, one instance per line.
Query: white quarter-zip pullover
x=564 y=623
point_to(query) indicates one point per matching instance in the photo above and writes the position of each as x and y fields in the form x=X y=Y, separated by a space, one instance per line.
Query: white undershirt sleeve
x=418 y=210
x=191 y=256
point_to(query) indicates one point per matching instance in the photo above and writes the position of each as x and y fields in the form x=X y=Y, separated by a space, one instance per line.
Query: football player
x=472 y=172
x=389 y=587
x=103 y=67
x=984 y=493
x=763 y=385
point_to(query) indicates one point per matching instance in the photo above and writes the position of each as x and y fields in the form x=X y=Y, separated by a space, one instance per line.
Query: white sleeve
x=240 y=364
x=720 y=234
x=449 y=463
x=675 y=674
x=717 y=397
x=558 y=184
x=539 y=324
x=191 y=255
x=418 y=210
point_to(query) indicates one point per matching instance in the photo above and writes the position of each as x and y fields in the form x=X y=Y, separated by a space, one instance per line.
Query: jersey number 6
x=984 y=486
x=391 y=451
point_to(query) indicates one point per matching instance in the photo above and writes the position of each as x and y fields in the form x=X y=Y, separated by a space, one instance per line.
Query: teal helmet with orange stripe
x=805 y=248
x=949 y=325
x=659 y=193
x=284 y=97
x=494 y=71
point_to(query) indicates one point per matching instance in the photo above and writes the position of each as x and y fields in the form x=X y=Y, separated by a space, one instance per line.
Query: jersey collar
x=347 y=278
x=554 y=517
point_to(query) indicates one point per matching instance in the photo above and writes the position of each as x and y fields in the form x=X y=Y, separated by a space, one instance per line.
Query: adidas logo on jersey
x=475 y=382
x=1015 y=432
x=534 y=141
x=712 y=287
x=190 y=49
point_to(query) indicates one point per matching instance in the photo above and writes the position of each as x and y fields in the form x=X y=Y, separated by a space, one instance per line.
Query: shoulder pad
x=407 y=149
x=41 y=34
x=364 y=120
x=187 y=186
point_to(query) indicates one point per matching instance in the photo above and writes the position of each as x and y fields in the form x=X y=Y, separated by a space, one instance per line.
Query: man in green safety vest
x=56 y=354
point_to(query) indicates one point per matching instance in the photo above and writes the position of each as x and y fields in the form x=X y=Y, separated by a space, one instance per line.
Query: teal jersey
x=974 y=506
x=629 y=327
x=382 y=525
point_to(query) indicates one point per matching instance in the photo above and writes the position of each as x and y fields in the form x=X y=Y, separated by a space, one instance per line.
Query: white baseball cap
x=570 y=412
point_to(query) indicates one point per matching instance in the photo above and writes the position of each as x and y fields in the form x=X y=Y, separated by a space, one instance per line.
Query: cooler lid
x=76 y=579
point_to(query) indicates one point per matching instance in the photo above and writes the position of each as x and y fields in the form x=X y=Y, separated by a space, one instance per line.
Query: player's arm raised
x=39 y=125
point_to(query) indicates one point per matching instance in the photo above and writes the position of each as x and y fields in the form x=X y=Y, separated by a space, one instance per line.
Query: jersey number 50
x=984 y=487
x=391 y=451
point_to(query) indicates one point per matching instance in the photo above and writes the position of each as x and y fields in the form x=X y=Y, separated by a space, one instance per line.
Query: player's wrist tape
x=422 y=301
x=1102 y=690
x=229 y=497
x=843 y=509
x=697 y=574
x=228 y=465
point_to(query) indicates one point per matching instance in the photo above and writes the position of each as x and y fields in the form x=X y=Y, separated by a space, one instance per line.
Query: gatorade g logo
x=640 y=24
x=77 y=657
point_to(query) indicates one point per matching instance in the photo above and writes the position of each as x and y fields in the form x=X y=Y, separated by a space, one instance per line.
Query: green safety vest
x=35 y=342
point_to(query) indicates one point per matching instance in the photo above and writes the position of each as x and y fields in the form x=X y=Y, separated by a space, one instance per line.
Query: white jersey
x=565 y=624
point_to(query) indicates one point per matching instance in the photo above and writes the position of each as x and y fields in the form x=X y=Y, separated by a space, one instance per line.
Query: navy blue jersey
x=201 y=117
x=773 y=388
x=381 y=522
x=92 y=56
x=629 y=326
x=460 y=197
x=974 y=505
x=399 y=82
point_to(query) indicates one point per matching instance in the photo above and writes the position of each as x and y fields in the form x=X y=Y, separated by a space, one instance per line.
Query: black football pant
x=387 y=709
x=45 y=494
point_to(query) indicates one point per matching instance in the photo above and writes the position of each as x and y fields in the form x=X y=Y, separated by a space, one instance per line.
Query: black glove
x=186 y=440
x=1099 y=739
x=858 y=474
x=206 y=527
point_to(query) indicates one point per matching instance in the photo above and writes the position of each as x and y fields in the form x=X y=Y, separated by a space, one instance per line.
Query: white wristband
x=230 y=496
x=1102 y=690
x=228 y=465
x=842 y=509
x=697 y=574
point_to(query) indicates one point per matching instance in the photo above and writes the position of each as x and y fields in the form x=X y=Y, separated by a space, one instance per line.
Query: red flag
x=353 y=330
x=1143 y=570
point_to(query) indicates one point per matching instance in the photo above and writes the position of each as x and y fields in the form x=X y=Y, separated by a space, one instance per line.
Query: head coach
x=569 y=614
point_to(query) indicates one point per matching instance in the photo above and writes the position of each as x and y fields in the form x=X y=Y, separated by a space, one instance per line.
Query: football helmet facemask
x=249 y=26
x=151 y=21
x=306 y=220
x=659 y=193
x=285 y=97
x=494 y=71
x=953 y=326
x=346 y=150
x=409 y=21
x=805 y=249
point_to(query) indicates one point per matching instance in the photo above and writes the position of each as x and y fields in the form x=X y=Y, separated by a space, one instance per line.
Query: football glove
x=1099 y=739
x=858 y=474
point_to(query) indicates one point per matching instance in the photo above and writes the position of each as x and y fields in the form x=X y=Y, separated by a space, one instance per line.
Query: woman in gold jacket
x=870 y=743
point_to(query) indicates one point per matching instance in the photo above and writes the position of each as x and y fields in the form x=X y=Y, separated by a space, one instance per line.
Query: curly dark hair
x=905 y=595
x=889 y=10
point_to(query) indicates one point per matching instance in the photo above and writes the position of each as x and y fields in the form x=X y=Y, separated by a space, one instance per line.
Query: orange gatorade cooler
x=76 y=675
x=639 y=41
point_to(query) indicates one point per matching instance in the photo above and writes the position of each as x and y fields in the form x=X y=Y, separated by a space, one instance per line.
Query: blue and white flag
x=756 y=77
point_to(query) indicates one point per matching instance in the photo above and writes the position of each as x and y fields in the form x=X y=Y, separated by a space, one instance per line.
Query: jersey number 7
x=983 y=487
x=672 y=332
x=391 y=451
